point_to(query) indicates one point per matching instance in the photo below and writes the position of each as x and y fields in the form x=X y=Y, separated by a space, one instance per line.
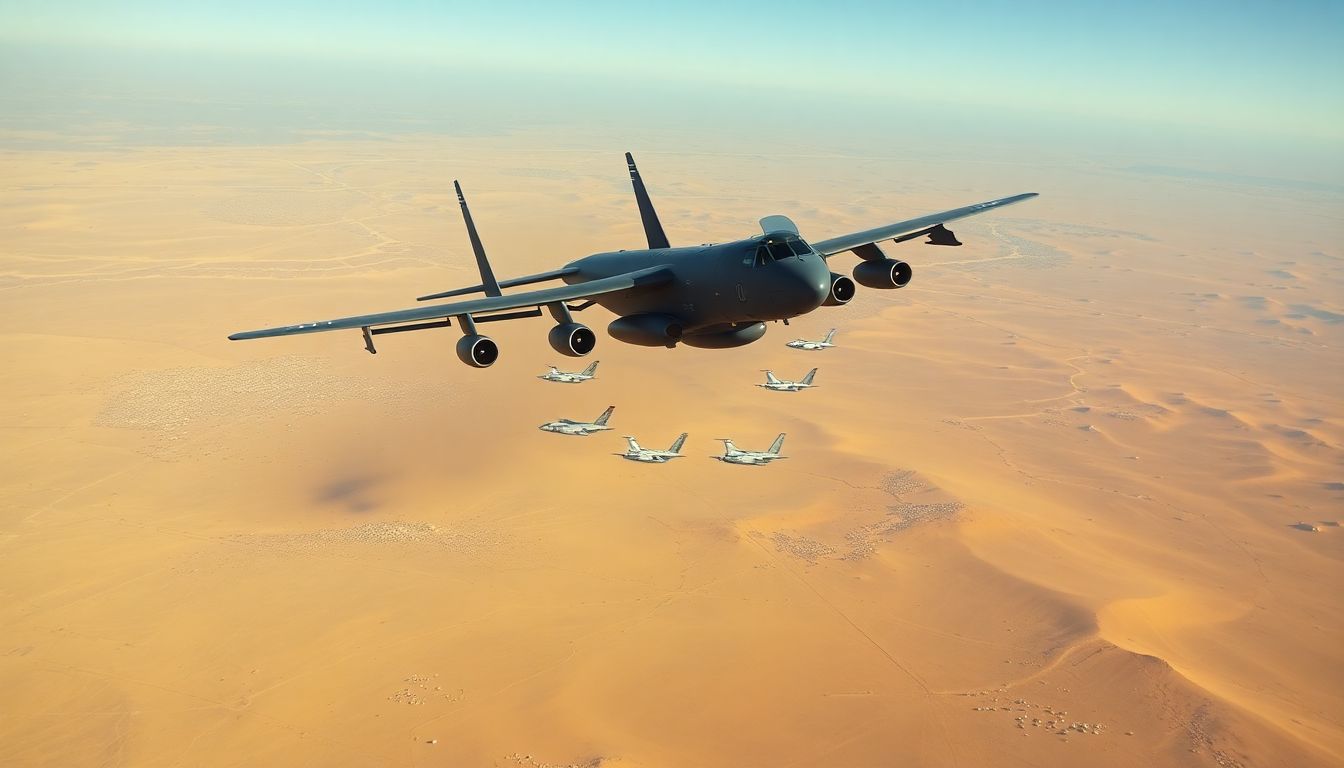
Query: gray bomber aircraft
x=650 y=455
x=557 y=375
x=734 y=455
x=773 y=382
x=582 y=428
x=715 y=295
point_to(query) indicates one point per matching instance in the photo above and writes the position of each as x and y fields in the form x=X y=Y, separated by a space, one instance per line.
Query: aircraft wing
x=643 y=278
x=868 y=236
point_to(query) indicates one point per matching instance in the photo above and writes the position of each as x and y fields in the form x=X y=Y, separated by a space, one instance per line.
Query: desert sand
x=1070 y=498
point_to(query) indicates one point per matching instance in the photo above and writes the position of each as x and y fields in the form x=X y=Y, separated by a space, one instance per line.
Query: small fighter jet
x=734 y=455
x=636 y=453
x=567 y=427
x=555 y=374
x=805 y=344
x=775 y=383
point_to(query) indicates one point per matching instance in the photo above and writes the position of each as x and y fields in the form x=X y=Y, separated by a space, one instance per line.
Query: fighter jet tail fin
x=634 y=446
x=676 y=444
x=808 y=378
x=488 y=281
x=602 y=420
x=592 y=369
x=829 y=336
x=653 y=229
x=771 y=378
x=778 y=444
x=728 y=448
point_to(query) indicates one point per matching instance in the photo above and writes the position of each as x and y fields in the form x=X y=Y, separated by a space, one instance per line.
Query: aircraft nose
x=809 y=286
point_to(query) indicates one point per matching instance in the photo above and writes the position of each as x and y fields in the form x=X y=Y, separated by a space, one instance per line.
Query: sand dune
x=1069 y=499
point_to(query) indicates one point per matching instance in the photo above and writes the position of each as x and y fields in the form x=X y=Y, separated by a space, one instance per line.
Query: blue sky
x=1242 y=70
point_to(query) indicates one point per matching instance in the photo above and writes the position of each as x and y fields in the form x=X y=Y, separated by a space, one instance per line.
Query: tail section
x=676 y=444
x=488 y=281
x=778 y=444
x=653 y=229
x=634 y=446
x=592 y=369
x=770 y=378
x=807 y=380
x=602 y=420
x=829 y=336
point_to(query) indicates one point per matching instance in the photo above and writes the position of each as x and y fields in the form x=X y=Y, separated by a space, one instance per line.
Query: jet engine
x=732 y=337
x=646 y=330
x=842 y=290
x=477 y=351
x=572 y=339
x=884 y=273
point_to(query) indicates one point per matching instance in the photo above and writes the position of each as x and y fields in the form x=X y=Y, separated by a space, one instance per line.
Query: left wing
x=644 y=278
x=869 y=236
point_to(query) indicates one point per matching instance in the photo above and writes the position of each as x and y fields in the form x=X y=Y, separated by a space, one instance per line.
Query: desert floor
x=1070 y=498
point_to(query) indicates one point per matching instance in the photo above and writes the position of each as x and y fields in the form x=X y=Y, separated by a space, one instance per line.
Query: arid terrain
x=1071 y=498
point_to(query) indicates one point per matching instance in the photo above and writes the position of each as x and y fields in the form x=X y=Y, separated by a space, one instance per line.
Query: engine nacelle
x=732 y=337
x=842 y=290
x=477 y=351
x=572 y=339
x=646 y=330
x=884 y=273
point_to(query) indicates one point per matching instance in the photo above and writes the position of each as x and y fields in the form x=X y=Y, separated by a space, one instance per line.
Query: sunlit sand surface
x=1070 y=498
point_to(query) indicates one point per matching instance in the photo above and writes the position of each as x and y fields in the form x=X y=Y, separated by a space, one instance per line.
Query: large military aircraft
x=734 y=455
x=582 y=428
x=715 y=295
x=773 y=382
x=564 y=377
x=637 y=453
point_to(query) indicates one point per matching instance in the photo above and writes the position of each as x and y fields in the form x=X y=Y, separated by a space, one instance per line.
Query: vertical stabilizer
x=602 y=420
x=728 y=447
x=808 y=378
x=634 y=446
x=676 y=444
x=592 y=369
x=488 y=281
x=829 y=336
x=770 y=378
x=778 y=444
x=653 y=229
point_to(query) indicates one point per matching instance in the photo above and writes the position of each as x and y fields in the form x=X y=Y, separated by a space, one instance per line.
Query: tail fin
x=634 y=446
x=602 y=420
x=653 y=228
x=728 y=447
x=770 y=378
x=778 y=444
x=488 y=281
x=829 y=335
x=808 y=378
x=676 y=444
x=592 y=369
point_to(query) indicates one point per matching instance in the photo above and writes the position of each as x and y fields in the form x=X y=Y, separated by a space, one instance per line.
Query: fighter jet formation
x=773 y=382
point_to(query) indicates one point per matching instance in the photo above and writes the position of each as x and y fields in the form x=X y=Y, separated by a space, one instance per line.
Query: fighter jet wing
x=868 y=236
x=643 y=278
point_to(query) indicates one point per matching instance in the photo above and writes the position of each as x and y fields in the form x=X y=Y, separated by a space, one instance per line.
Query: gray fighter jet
x=805 y=344
x=567 y=427
x=636 y=453
x=555 y=374
x=734 y=455
x=715 y=295
x=773 y=382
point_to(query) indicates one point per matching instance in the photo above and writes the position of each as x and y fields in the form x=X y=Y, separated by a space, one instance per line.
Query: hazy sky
x=1243 y=71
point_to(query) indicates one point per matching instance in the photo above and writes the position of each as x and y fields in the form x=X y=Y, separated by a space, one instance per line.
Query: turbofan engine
x=842 y=290
x=572 y=339
x=477 y=351
x=883 y=273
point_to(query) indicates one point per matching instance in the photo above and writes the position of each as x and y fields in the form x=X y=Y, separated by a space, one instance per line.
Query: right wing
x=644 y=278
x=869 y=236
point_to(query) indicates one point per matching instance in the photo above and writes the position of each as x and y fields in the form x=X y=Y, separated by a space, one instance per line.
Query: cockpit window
x=757 y=258
x=780 y=251
x=799 y=247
